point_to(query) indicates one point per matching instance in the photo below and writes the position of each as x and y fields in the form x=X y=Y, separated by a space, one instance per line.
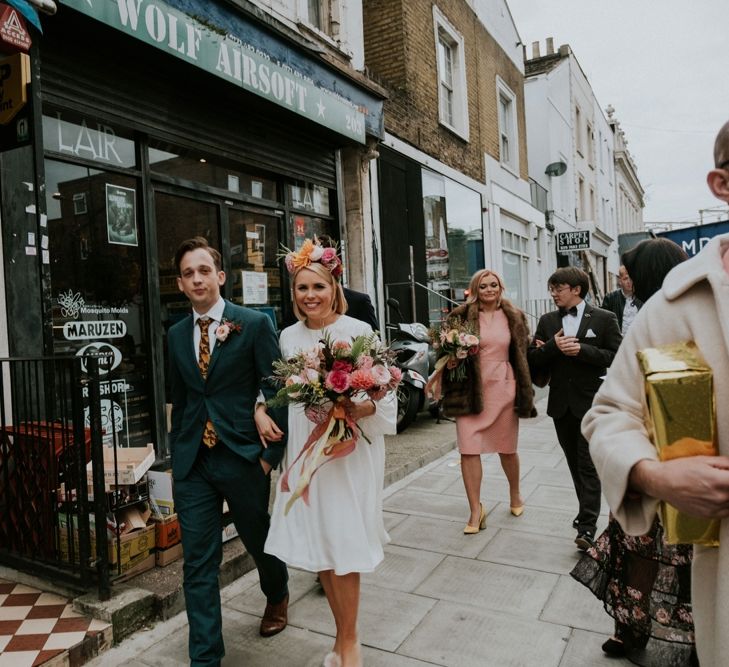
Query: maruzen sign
x=693 y=239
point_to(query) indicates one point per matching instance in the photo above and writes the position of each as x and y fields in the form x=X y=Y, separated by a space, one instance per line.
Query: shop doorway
x=247 y=236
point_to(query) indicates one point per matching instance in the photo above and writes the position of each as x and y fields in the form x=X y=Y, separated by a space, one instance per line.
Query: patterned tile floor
x=39 y=628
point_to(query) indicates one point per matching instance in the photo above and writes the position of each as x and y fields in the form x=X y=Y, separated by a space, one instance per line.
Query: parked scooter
x=415 y=357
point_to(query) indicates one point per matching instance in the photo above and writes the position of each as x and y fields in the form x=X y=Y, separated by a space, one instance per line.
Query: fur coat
x=464 y=398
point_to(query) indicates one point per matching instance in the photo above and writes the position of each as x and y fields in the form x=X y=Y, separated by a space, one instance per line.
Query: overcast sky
x=664 y=66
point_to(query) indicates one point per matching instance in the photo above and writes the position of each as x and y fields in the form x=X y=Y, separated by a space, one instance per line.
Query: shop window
x=451 y=64
x=309 y=197
x=255 y=278
x=97 y=284
x=514 y=259
x=453 y=240
x=74 y=135
x=184 y=164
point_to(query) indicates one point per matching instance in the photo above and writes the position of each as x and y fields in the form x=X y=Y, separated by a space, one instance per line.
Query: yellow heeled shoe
x=517 y=511
x=472 y=530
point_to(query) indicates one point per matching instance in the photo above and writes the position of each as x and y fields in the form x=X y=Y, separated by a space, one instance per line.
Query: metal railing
x=50 y=432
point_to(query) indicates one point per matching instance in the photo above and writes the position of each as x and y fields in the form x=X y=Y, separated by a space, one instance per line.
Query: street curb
x=411 y=466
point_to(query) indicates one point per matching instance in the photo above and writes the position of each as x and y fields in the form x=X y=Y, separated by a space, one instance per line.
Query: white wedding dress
x=342 y=528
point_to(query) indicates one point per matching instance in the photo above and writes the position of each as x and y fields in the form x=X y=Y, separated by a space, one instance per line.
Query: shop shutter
x=91 y=68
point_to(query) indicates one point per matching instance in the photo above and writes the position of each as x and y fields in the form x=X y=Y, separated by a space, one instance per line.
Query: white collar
x=215 y=313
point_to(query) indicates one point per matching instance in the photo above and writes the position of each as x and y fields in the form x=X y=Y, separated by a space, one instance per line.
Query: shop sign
x=570 y=241
x=109 y=356
x=229 y=57
x=14 y=78
x=90 y=329
x=13 y=32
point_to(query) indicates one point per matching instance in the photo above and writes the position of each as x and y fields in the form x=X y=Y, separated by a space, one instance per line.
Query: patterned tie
x=209 y=437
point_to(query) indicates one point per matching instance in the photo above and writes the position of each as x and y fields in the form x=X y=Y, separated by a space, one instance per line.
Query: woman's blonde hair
x=477 y=278
x=339 y=304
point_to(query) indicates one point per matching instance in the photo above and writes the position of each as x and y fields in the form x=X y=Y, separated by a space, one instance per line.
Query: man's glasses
x=557 y=290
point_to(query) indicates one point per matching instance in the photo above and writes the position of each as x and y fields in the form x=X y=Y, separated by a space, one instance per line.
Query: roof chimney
x=535 y=49
x=550 y=46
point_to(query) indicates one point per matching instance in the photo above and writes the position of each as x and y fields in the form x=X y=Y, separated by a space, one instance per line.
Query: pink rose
x=380 y=375
x=341 y=365
x=222 y=332
x=328 y=256
x=337 y=381
x=471 y=340
x=365 y=362
x=361 y=379
x=396 y=374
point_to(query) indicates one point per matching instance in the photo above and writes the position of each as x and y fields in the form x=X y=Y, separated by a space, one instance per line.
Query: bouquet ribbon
x=335 y=437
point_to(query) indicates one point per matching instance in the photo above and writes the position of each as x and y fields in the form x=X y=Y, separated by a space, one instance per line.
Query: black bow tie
x=568 y=311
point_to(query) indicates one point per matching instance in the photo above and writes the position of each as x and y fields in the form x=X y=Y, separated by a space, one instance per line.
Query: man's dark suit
x=230 y=470
x=360 y=307
x=615 y=303
x=574 y=381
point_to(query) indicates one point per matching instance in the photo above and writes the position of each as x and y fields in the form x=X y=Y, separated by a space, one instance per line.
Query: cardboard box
x=140 y=564
x=167 y=531
x=681 y=420
x=161 y=492
x=166 y=556
x=131 y=464
x=132 y=544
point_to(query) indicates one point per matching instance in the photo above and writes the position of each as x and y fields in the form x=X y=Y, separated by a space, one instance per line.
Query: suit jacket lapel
x=219 y=348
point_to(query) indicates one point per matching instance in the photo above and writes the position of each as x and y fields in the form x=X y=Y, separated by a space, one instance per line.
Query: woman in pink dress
x=496 y=392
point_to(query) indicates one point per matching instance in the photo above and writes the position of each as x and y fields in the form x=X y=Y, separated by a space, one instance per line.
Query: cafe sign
x=571 y=241
x=228 y=57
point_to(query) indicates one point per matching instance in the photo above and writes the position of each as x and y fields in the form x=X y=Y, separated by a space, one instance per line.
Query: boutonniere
x=225 y=328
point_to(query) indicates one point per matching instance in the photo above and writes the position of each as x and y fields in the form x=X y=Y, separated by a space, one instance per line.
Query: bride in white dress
x=341 y=532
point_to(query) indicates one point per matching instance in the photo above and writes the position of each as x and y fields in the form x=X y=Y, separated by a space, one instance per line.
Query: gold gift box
x=682 y=422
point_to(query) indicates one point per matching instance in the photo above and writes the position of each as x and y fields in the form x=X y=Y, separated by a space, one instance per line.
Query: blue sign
x=693 y=239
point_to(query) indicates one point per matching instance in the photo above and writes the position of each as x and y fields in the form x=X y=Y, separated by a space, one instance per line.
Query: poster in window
x=121 y=215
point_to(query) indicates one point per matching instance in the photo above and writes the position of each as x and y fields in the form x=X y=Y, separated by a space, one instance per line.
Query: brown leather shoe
x=275 y=618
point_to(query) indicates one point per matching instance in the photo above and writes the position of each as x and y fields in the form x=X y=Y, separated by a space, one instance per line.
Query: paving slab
x=432 y=482
x=459 y=635
x=403 y=569
x=554 y=497
x=386 y=617
x=530 y=551
x=444 y=537
x=252 y=601
x=574 y=605
x=421 y=503
x=553 y=476
x=494 y=586
x=583 y=649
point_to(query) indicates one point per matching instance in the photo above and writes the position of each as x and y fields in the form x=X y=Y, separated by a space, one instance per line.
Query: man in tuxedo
x=220 y=357
x=575 y=344
x=623 y=301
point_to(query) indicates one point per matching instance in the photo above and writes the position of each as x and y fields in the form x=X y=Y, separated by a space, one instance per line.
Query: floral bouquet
x=454 y=342
x=325 y=380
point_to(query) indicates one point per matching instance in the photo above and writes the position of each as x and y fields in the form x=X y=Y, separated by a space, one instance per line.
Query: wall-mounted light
x=203 y=160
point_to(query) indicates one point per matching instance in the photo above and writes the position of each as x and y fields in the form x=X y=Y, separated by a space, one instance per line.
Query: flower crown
x=310 y=252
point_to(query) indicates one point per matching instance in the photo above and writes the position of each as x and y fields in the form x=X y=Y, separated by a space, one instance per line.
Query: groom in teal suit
x=220 y=357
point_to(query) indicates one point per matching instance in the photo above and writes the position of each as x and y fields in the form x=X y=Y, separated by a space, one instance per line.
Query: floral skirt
x=645 y=585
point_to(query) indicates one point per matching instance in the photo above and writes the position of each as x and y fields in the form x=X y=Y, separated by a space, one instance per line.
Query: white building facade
x=572 y=153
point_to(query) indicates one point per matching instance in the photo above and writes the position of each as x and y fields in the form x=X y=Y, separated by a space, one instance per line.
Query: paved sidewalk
x=502 y=597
